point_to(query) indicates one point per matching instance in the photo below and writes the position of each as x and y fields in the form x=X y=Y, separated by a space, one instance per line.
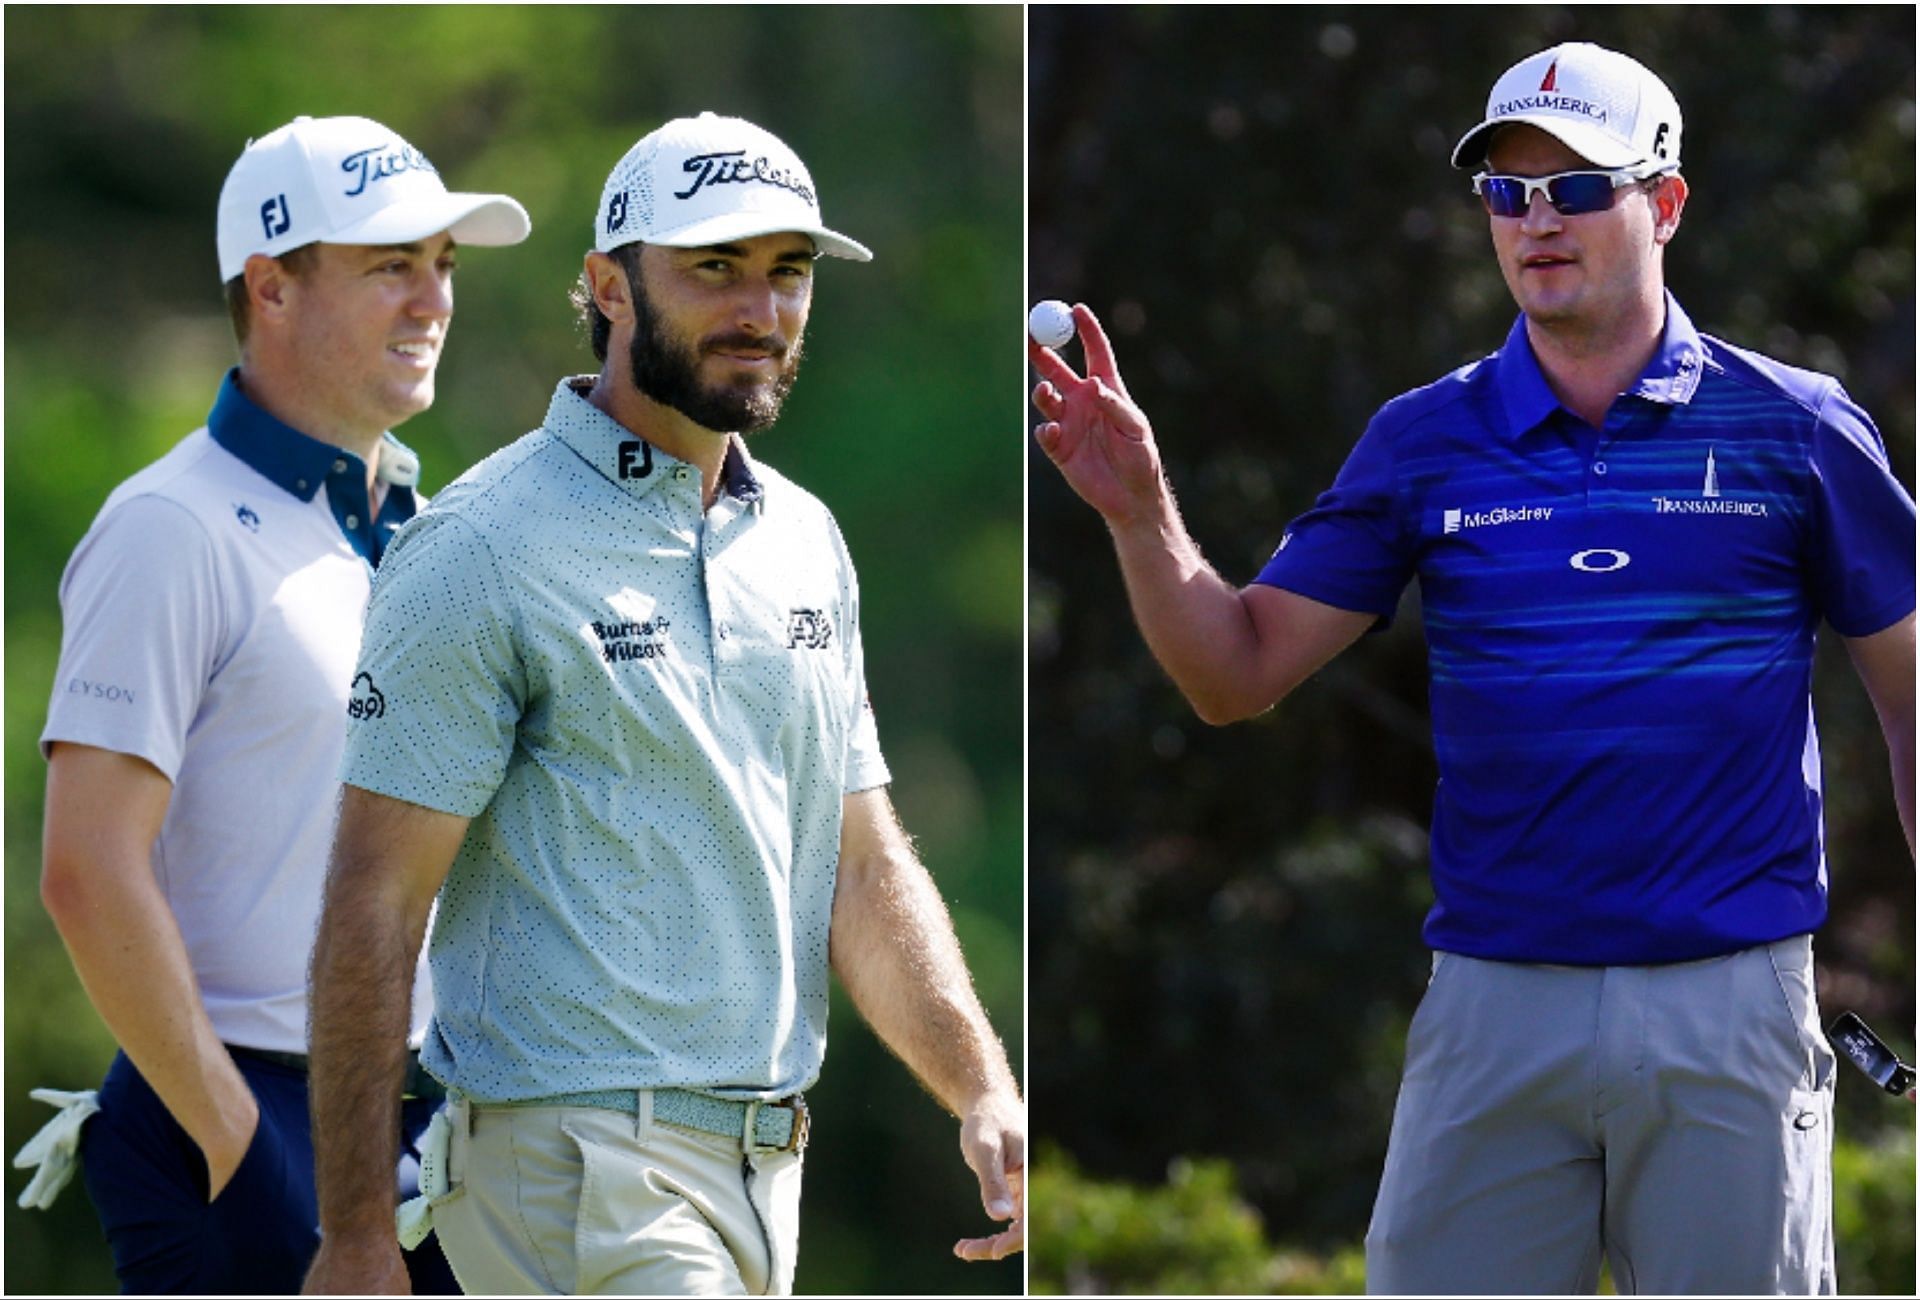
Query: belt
x=777 y=1125
x=420 y=1086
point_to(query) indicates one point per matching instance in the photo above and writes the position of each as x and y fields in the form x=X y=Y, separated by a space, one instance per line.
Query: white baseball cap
x=1604 y=106
x=347 y=180
x=708 y=180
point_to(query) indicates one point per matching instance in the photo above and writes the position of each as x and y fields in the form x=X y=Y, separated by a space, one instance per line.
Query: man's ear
x=1668 y=202
x=607 y=283
x=271 y=288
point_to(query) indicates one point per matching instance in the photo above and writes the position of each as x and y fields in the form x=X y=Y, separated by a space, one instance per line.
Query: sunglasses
x=1570 y=193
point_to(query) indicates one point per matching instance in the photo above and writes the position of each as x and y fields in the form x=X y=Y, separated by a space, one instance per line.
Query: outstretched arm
x=893 y=946
x=389 y=858
x=1233 y=653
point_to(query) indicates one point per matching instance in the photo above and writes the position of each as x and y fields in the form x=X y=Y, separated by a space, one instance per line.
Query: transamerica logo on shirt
x=1707 y=506
x=1452 y=521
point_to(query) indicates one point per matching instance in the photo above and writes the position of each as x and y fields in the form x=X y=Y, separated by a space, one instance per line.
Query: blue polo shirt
x=1620 y=625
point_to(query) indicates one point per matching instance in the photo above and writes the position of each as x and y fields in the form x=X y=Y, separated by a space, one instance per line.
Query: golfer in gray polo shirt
x=611 y=711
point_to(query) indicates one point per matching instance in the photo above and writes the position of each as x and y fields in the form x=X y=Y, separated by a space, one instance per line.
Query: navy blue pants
x=148 y=1181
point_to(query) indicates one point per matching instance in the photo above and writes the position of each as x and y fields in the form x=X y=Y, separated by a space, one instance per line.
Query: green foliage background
x=1225 y=924
x=121 y=123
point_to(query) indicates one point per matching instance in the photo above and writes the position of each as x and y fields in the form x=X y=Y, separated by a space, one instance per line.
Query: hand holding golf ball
x=1051 y=323
x=1092 y=432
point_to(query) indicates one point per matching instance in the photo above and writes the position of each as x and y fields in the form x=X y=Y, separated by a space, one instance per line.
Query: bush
x=1192 y=1236
x=1873 y=1215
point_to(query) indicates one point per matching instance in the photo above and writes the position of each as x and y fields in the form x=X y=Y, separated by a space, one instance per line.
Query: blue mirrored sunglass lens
x=1572 y=195
x=1504 y=196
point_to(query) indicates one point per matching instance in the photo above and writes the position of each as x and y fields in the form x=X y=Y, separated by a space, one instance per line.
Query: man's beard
x=669 y=373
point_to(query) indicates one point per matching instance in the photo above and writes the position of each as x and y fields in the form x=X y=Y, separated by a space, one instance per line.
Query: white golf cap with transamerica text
x=1604 y=106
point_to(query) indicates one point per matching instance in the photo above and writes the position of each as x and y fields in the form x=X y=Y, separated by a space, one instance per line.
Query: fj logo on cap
x=274 y=216
x=617 y=212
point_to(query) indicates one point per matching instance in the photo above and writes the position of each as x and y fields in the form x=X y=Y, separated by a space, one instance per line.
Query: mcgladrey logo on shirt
x=1452 y=521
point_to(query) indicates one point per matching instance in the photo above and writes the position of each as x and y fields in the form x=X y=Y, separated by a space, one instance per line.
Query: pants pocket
x=1791 y=961
x=661 y=1220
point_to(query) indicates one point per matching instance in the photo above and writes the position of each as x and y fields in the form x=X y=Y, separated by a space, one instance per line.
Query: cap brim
x=1591 y=143
x=748 y=225
x=488 y=220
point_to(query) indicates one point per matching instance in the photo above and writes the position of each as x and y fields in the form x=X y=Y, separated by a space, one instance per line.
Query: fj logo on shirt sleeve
x=808 y=629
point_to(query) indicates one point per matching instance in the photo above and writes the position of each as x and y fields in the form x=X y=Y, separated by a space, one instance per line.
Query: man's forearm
x=363 y=965
x=894 y=949
x=127 y=950
x=1194 y=622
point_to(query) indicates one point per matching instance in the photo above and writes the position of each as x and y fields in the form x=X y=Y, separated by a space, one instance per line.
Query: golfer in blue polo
x=1626 y=534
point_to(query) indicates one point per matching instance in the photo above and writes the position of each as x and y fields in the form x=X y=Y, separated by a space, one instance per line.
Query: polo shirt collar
x=1671 y=377
x=275 y=450
x=300 y=465
x=626 y=459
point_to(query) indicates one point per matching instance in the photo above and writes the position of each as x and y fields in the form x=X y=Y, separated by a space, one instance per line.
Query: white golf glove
x=54 y=1147
x=413 y=1219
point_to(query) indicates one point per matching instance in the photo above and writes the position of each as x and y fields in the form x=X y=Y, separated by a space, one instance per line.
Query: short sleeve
x=1350 y=551
x=1863 y=524
x=440 y=687
x=865 y=767
x=142 y=631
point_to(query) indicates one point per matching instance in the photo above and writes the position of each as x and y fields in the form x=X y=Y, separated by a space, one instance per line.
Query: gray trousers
x=1678 y=1118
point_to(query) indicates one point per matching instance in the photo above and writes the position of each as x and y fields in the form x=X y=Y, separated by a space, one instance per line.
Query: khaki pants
x=1678 y=1119
x=575 y=1200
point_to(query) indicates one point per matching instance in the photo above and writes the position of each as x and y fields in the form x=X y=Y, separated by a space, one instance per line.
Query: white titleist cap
x=1604 y=106
x=347 y=180
x=708 y=180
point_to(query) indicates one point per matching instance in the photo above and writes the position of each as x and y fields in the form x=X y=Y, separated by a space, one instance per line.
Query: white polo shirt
x=211 y=617
x=651 y=712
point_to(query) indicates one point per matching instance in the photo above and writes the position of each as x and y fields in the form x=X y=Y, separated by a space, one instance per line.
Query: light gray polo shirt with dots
x=651 y=714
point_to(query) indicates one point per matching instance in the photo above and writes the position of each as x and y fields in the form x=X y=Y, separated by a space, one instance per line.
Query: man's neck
x=664 y=427
x=283 y=402
x=1587 y=367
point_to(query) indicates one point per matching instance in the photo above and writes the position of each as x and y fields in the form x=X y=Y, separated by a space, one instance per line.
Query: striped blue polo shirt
x=1620 y=628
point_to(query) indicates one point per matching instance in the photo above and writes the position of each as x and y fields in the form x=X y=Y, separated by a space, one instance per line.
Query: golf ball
x=1050 y=323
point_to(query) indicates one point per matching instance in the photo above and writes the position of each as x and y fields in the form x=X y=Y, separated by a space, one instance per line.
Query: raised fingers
x=1051 y=367
x=1099 y=352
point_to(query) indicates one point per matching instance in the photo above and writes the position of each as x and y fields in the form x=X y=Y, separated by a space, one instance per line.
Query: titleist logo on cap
x=380 y=161
x=733 y=168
